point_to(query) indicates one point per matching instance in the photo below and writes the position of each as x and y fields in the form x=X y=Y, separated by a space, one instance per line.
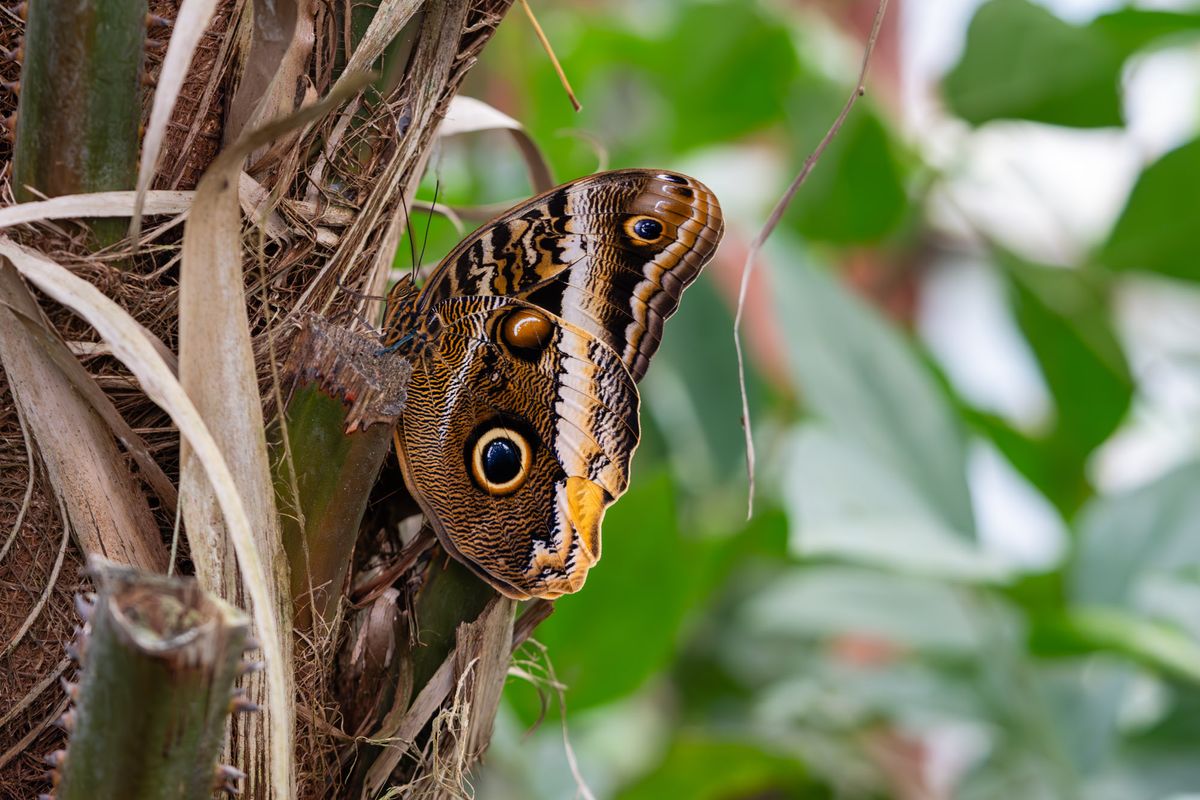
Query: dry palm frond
x=324 y=218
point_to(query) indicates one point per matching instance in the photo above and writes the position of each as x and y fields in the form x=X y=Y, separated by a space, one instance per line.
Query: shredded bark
x=350 y=365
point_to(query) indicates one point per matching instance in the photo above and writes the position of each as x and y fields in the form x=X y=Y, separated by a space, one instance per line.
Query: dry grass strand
x=769 y=227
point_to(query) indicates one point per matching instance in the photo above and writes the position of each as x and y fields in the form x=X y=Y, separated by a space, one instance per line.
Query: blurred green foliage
x=1157 y=230
x=858 y=634
x=1022 y=62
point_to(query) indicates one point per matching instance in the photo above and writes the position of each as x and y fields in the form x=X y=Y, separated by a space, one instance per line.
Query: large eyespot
x=643 y=229
x=500 y=461
x=526 y=332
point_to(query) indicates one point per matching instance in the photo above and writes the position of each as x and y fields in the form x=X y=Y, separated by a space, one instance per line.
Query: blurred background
x=973 y=570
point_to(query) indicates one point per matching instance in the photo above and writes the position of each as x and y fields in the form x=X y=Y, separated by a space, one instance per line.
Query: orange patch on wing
x=585 y=504
x=582 y=503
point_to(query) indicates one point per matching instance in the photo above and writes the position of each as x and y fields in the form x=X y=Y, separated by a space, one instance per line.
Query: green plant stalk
x=81 y=101
x=334 y=472
x=80 y=98
x=159 y=664
x=450 y=595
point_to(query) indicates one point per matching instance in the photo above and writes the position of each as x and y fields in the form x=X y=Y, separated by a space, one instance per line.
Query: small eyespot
x=644 y=230
x=526 y=332
x=500 y=461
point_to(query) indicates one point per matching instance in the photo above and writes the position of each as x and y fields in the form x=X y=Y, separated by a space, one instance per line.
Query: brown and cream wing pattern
x=526 y=344
x=610 y=253
x=517 y=435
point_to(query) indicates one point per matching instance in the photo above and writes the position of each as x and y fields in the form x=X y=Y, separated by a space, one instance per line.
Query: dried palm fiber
x=339 y=190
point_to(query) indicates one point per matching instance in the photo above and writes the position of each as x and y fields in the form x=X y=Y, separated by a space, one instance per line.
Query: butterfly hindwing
x=509 y=384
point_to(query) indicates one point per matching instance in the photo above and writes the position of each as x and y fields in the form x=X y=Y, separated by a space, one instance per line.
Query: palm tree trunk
x=323 y=212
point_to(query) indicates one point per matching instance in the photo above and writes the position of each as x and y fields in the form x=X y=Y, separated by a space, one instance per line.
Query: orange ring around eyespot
x=631 y=232
x=514 y=483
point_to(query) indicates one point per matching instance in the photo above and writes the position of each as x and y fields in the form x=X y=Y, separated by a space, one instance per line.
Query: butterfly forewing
x=610 y=253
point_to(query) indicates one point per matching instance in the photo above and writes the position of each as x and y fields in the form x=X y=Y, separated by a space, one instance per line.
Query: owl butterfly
x=527 y=343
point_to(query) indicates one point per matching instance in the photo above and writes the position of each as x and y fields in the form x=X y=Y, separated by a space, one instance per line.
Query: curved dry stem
x=94 y=204
x=190 y=25
x=769 y=227
x=225 y=386
x=162 y=387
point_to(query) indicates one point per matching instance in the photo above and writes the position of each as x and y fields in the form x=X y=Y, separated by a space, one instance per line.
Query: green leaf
x=1045 y=461
x=701 y=767
x=1064 y=314
x=638 y=99
x=1128 y=540
x=827 y=601
x=1083 y=700
x=856 y=193
x=1157 y=230
x=1156 y=645
x=1139 y=554
x=1132 y=29
x=734 y=42
x=845 y=504
x=589 y=635
x=1022 y=62
x=859 y=374
x=1065 y=318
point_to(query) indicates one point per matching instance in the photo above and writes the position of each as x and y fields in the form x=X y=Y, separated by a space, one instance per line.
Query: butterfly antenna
x=412 y=248
x=408 y=227
x=437 y=185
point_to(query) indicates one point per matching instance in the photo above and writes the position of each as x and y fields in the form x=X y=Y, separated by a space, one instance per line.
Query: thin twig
x=175 y=539
x=562 y=76
x=580 y=783
x=773 y=221
x=540 y=673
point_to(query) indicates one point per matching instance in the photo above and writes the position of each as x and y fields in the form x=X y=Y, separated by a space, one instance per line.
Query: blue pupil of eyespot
x=647 y=228
x=501 y=460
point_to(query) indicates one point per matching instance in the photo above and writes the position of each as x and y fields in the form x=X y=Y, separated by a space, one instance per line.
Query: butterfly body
x=526 y=343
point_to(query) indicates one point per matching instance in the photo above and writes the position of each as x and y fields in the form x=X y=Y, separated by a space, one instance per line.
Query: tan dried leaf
x=136 y=352
x=468 y=115
x=190 y=24
x=106 y=508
